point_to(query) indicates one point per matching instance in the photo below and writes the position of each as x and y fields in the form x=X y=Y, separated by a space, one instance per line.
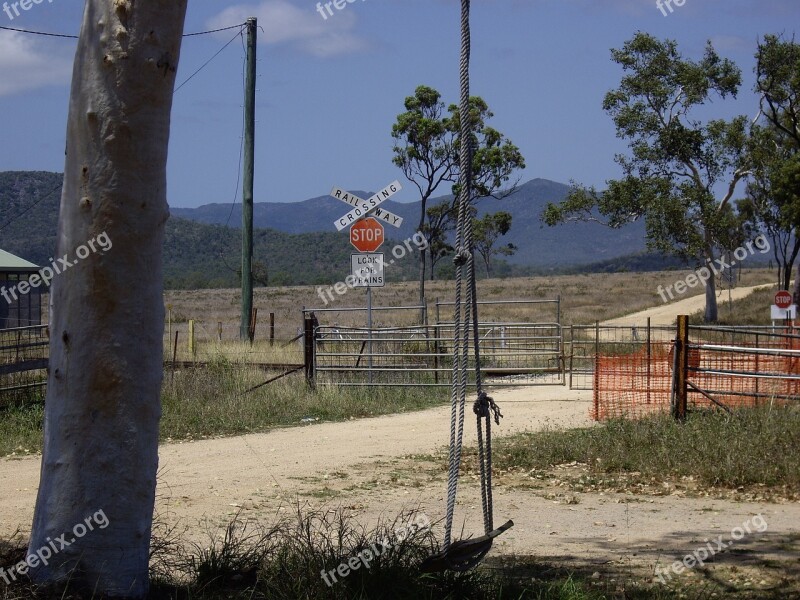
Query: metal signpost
x=783 y=309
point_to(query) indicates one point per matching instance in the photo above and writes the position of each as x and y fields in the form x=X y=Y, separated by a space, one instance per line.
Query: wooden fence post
x=192 y=346
x=308 y=348
x=252 y=332
x=681 y=368
x=272 y=329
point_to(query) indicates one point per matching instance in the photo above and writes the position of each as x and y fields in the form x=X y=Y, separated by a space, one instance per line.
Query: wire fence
x=726 y=367
x=23 y=363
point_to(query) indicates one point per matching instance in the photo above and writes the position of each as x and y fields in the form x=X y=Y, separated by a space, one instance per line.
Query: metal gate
x=513 y=352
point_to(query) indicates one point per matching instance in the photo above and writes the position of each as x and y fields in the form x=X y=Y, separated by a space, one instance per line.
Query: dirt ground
x=374 y=468
x=371 y=467
x=667 y=313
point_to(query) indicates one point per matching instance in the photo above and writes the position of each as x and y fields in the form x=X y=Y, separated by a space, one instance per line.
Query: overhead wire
x=240 y=28
x=35 y=203
x=241 y=156
x=208 y=62
x=75 y=37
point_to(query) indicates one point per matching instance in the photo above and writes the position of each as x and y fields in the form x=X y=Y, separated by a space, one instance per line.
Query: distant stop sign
x=366 y=235
x=783 y=299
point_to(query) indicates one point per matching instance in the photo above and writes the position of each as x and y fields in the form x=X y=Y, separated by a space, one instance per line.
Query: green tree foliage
x=778 y=167
x=426 y=143
x=772 y=205
x=486 y=231
x=675 y=160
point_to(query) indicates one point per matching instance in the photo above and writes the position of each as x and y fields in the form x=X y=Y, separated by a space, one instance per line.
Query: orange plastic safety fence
x=638 y=384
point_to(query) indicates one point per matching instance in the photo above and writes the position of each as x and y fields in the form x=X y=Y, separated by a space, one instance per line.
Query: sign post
x=366 y=236
x=783 y=309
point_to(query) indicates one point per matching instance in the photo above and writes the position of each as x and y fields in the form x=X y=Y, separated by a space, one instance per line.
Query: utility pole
x=249 y=172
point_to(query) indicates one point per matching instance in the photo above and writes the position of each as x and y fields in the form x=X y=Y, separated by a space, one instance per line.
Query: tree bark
x=796 y=291
x=107 y=316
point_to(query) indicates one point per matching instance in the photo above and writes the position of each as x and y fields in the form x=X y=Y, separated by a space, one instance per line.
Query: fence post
x=252 y=331
x=436 y=345
x=272 y=329
x=174 y=357
x=681 y=368
x=649 y=360
x=219 y=331
x=571 y=352
x=758 y=398
x=308 y=348
x=192 y=346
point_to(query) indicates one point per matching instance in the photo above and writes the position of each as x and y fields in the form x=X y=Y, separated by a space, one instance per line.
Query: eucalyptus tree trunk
x=103 y=406
x=711 y=313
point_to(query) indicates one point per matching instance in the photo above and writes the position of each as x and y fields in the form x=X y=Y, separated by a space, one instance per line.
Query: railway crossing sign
x=379 y=213
x=366 y=235
x=367 y=207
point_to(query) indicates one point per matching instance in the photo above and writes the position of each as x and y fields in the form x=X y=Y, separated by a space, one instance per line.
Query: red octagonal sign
x=783 y=299
x=366 y=235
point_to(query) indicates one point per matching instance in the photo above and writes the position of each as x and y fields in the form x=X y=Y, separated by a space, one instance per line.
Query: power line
x=47 y=195
x=239 y=167
x=75 y=37
x=58 y=35
x=205 y=64
x=239 y=26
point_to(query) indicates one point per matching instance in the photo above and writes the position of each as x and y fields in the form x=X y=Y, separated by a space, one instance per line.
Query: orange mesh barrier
x=638 y=384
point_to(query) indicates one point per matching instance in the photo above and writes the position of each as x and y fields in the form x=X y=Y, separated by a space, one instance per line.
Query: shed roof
x=14 y=264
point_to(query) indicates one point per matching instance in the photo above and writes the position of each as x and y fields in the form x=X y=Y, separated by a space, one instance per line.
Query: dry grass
x=585 y=299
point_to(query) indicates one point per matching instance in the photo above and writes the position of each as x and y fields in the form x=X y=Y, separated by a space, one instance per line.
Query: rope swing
x=463 y=555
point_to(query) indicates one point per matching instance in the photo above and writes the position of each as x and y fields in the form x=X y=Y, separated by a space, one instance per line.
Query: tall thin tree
x=107 y=314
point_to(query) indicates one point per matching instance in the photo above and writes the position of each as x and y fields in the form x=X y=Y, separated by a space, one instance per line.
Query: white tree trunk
x=103 y=395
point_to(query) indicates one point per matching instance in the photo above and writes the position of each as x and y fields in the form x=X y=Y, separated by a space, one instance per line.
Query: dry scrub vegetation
x=585 y=298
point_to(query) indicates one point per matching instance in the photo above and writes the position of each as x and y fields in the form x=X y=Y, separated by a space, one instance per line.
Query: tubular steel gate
x=513 y=352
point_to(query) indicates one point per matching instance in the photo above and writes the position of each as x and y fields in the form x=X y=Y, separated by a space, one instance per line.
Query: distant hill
x=196 y=255
x=302 y=246
x=539 y=247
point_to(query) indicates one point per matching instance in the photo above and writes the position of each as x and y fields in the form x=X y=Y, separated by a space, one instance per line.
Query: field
x=601 y=511
x=585 y=299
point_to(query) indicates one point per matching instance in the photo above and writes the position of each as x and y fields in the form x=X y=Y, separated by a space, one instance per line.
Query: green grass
x=752 y=447
x=202 y=403
x=285 y=561
x=21 y=429
x=753 y=309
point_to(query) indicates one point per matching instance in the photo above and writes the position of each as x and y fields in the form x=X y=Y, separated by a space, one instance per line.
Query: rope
x=463 y=256
x=465 y=320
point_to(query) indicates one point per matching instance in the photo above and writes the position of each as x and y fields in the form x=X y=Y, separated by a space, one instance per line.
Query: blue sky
x=329 y=89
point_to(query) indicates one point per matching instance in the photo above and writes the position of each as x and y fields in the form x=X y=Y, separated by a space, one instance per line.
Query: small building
x=20 y=305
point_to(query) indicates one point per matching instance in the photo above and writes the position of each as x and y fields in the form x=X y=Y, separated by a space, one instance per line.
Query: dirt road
x=667 y=313
x=365 y=465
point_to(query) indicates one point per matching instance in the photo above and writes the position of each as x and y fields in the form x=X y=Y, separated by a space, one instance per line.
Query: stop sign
x=783 y=299
x=366 y=235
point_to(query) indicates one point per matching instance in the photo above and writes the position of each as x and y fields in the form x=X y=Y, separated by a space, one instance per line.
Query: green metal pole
x=249 y=173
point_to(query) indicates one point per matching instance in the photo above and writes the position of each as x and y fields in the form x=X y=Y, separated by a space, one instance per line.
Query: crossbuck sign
x=368 y=207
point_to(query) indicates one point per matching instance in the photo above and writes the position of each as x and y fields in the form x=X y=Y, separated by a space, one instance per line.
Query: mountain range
x=202 y=244
x=542 y=247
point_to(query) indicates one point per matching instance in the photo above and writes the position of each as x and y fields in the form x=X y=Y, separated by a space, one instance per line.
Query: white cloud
x=304 y=29
x=25 y=65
